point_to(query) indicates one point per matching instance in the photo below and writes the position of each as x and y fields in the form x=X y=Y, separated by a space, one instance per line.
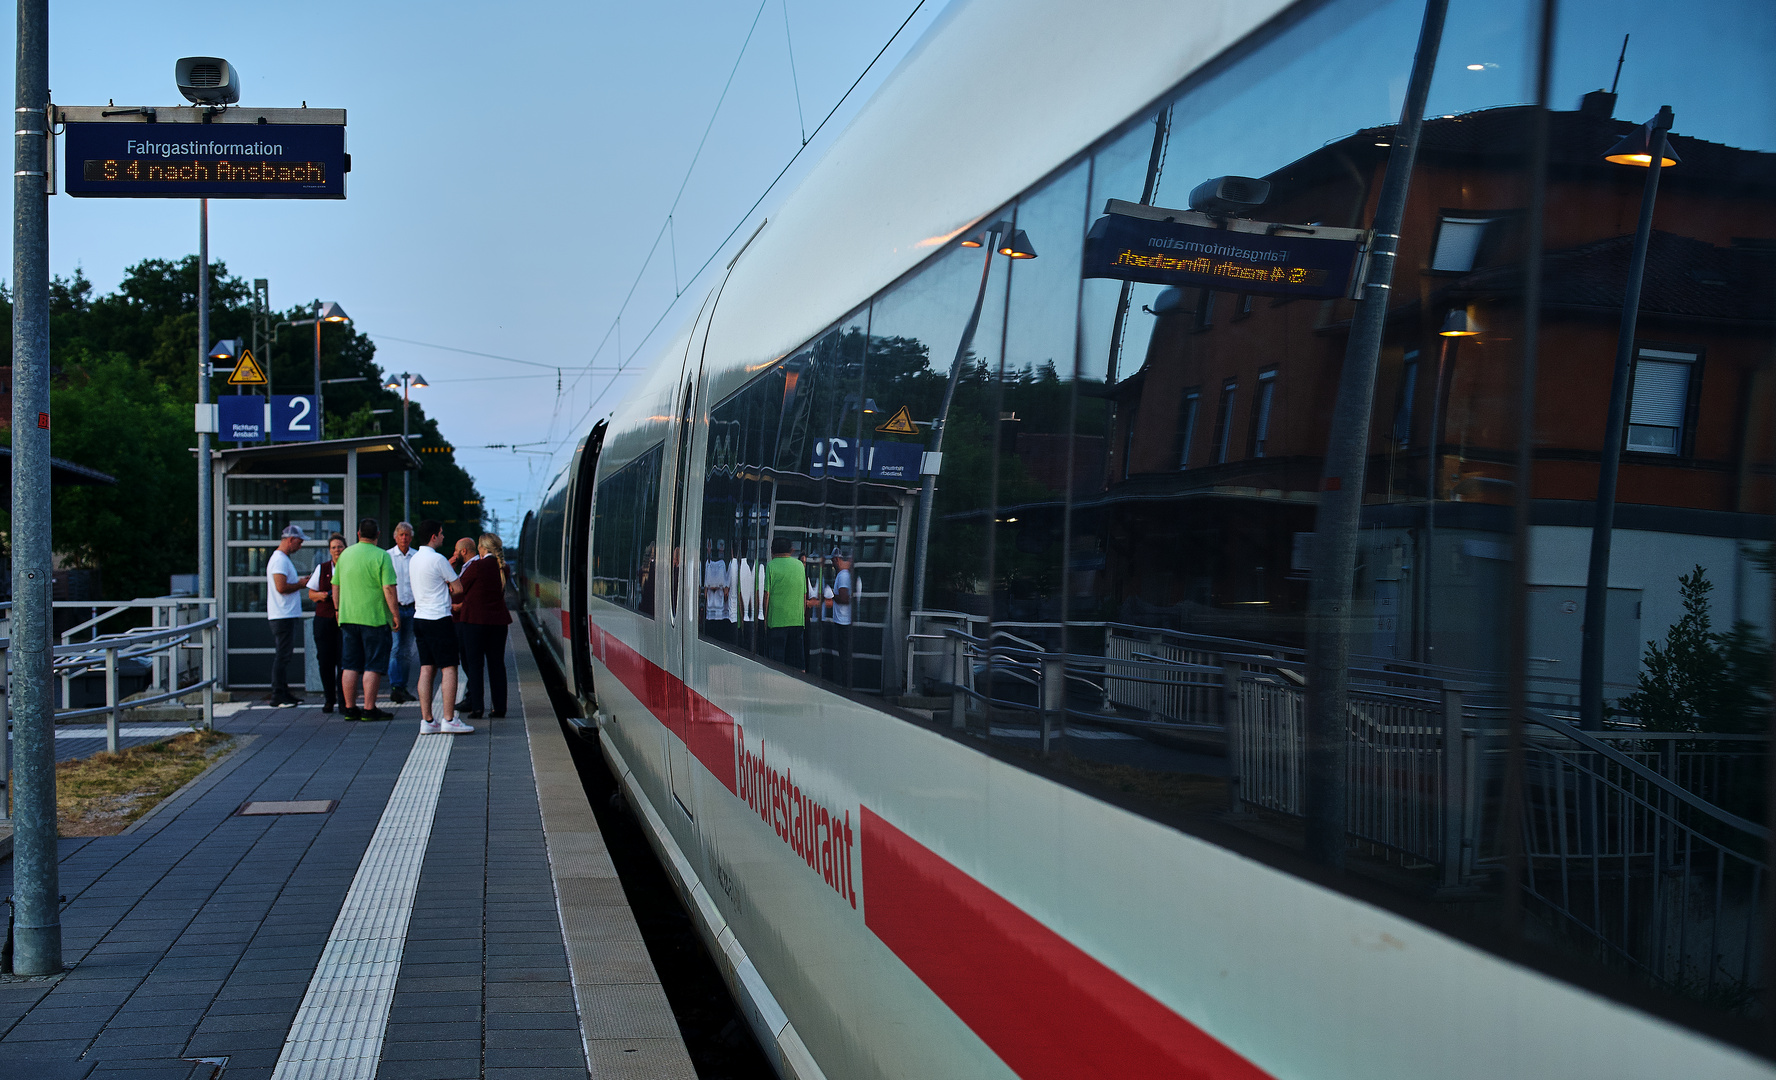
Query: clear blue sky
x=511 y=165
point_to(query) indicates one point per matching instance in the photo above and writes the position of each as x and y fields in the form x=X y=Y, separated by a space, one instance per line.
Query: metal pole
x=406 y=474
x=206 y=495
x=1342 y=482
x=1603 y=523
x=1433 y=481
x=928 y=483
x=37 y=926
x=318 y=420
x=111 y=717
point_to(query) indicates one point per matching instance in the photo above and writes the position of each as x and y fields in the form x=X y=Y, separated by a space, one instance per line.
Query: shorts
x=364 y=648
x=436 y=639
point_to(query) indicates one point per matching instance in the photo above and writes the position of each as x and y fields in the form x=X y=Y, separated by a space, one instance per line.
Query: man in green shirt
x=364 y=595
x=786 y=590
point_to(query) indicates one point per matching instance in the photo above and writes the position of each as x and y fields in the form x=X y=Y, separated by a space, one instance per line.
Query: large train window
x=626 y=518
x=796 y=457
x=1063 y=590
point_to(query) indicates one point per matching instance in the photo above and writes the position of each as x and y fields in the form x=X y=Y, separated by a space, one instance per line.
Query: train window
x=626 y=515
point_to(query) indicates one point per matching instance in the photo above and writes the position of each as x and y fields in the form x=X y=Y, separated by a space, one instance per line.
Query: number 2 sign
x=294 y=418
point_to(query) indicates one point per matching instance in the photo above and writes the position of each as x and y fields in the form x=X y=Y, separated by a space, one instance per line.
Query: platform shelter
x=325 y=487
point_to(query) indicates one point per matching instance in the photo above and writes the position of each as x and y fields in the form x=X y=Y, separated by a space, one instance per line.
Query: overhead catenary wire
x=623 y=360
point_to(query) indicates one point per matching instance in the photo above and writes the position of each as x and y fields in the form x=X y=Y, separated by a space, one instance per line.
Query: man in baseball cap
x=283 y=608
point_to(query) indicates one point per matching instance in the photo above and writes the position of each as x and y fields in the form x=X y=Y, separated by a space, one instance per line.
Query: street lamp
x=405 y=382
x=324 y=312
x=1018 y=247
x=1647 y=148
x=1459 y=323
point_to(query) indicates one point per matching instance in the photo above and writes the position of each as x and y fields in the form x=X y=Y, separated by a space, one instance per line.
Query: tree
x=1699 y=680
x=124 y=378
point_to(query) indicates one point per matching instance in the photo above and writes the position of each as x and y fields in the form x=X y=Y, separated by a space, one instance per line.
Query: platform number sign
x=294 y=418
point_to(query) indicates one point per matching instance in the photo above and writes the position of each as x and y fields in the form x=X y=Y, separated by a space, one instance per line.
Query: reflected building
x=1201 y=514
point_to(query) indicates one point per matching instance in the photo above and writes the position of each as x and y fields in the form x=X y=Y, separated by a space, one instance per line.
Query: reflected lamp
x=1460 y=323
x=1637 y=149
x=1018 y=247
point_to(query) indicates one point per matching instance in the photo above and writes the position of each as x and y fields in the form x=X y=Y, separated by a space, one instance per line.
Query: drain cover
x=287 y=806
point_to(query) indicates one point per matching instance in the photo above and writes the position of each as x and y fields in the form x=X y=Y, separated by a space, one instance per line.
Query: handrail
x=1585 y=739
x=135 y=703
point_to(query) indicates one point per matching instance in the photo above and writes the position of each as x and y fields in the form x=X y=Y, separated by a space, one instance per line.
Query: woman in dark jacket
x=484 y=623
x=326 y=623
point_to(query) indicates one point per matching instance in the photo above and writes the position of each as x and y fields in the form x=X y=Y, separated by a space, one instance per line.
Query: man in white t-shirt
x=716 y=591
x=400 y=667
x=434 y=581
x=283 y=609
x=844 y=590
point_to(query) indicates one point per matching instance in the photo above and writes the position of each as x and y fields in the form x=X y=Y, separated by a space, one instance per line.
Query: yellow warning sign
x=247 y=372
x=901 y=423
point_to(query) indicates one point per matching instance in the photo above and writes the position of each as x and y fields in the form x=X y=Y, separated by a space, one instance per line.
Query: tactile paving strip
x=337 y=1034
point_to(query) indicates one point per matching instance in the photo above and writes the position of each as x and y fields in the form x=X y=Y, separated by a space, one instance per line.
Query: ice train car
x=1043 y=882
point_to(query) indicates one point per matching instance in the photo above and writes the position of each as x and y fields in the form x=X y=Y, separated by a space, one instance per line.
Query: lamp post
x=324 y=312
x=1017 y=247
x=1457 y=324
x=405 y=382
x=1646 y=147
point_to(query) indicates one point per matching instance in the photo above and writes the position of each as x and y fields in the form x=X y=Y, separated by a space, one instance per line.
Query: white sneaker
x=428 y=727
x=454 y=726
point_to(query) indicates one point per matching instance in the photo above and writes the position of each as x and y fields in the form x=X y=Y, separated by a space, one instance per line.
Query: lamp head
x=1637 y=148
x=419 y=382
x=393 y=383
x=332 y=312
x=1018 y=247
x=1460 y=323
x=226 y=349
x=207 y=80
x=977 y=240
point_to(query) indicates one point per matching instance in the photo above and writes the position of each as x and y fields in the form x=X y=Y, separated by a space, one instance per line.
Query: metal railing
x=1645 y=868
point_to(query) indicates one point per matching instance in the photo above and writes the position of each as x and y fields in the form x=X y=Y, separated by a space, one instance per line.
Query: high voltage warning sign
x=247 y=372
x=901 y=423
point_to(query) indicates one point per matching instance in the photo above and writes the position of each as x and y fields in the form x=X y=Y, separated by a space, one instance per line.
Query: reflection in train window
x=626 y=512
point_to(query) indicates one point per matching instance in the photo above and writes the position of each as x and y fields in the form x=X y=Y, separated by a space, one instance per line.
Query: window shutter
x=1458 y=243
x=1661 y=390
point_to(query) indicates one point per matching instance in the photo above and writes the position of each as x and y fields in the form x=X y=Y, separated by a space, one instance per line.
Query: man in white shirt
x=433 y=582
x=401 y=654
x=283 y=609
x=844 y=588
x=715 y=594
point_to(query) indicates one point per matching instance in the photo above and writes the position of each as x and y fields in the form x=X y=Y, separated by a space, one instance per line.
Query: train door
x=685 y=603
x=578 y=568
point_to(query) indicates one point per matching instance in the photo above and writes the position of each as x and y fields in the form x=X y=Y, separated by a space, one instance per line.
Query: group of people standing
x=377 y=610
x=802 y=604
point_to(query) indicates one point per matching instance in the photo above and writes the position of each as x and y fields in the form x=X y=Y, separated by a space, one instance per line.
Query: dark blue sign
x=294 y=418
x=213 y=161
x=1173 y=253
x=881 y=460
x=241 y=418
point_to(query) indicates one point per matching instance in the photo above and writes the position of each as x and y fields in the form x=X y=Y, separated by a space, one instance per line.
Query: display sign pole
x=206 y=480
x=37 y=921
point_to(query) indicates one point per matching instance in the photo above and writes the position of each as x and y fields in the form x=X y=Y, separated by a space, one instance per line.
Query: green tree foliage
x=124 y=379
x=1699 y=680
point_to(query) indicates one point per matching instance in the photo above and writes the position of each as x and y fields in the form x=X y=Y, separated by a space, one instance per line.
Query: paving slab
x=199 y=933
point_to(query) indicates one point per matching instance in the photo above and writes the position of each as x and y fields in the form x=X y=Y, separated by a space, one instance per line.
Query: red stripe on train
x=707 y=731
x=1046 y=1008
x=566 y=625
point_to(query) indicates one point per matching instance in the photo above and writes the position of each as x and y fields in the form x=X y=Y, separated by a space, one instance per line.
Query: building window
x=1402 y=433
x=1187 y=425
x=1245 y=304
x=1660 y=400
x=1205 y=310
x=1458 y=244
x=1224 y=420
x=1261 y=407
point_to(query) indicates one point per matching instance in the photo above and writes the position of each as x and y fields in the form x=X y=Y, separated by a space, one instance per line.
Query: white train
x=894 y=895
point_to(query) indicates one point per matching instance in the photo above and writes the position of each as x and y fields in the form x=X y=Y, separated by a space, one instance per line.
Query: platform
x=441 y=920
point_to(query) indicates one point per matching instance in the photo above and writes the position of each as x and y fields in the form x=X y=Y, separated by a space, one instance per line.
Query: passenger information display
x=1180 y=253
x=215 y=161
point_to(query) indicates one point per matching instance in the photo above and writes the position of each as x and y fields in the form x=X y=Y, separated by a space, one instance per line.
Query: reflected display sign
x=212 y=161
x=1170 y=251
